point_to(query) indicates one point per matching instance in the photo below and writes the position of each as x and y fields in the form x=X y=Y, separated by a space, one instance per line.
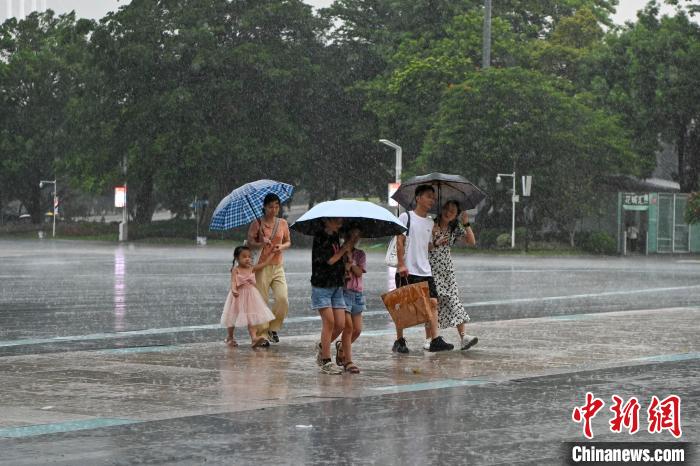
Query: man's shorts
x=354 y=301
x=400 y=281
x=327 y=297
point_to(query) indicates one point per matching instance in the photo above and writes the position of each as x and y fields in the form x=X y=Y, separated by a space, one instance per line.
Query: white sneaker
x=331 y=369
x=426 y=344
x=468 y=341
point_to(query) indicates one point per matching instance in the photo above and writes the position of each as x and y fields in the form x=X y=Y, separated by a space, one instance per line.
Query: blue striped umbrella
x=245 y=204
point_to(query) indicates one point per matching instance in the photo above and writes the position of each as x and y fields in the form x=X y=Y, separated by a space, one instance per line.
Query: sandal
x=351 y=367
x=230 y=342
x=339 y=355
x=260 y=342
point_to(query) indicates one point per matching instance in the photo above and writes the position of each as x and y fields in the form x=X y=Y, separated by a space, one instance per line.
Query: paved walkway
x=46 y=396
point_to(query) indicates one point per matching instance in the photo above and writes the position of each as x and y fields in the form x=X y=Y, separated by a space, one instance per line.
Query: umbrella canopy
x=374 y=221
x=447 y=187
x=245 y=204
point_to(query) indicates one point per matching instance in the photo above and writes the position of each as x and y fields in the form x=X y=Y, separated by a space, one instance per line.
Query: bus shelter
x=657 y=220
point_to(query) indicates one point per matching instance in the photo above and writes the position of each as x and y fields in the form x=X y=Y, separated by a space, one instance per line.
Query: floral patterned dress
x=451 y=311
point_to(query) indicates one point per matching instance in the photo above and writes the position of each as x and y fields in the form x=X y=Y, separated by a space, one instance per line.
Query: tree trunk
x=34 y=206
x=144 y=205
x=694 y=158
x=682 y=162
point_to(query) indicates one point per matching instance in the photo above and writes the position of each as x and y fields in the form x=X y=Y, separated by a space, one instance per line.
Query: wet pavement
x=112 y=355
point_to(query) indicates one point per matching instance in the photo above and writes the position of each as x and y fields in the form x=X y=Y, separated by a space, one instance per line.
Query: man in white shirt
x=414 y=266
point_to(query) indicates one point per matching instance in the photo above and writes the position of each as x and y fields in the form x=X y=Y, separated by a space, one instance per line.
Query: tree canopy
x=187 y=98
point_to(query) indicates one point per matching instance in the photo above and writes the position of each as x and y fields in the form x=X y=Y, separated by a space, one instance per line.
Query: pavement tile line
x=582 y=296
x=60 y=427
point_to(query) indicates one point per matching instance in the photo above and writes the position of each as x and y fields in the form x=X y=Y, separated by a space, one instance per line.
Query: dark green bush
x=486 y=238
x=597 y=242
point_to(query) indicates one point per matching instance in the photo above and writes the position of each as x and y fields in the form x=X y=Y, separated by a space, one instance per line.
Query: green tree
x=200 y=96
x=40 y=60
x=648 y=73
x=504 y=120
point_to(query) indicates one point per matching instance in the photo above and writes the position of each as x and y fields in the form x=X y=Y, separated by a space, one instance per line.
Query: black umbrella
x=447 y=187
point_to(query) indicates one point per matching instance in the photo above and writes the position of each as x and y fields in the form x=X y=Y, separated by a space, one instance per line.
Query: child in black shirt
x=327 y=280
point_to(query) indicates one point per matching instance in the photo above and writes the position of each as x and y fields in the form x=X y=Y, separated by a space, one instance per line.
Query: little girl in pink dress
x=244 y=304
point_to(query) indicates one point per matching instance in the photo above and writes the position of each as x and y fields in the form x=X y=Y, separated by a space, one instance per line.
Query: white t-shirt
x=420 y=234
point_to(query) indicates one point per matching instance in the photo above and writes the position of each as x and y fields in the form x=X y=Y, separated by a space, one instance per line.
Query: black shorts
x=417 y=279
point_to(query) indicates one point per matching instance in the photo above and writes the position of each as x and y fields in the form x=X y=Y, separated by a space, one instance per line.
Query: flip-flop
x=339 y=354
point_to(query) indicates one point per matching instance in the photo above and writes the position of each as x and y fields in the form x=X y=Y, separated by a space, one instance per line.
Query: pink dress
x=248 y=308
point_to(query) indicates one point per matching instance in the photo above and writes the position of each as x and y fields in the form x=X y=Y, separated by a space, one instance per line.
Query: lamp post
x=124 y=225
x=486 y=52
x=397 y=179
x=514 y=199
x=55 y=201
x=397 y=148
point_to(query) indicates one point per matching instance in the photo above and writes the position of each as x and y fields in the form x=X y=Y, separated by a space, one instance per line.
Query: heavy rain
x=349 y=232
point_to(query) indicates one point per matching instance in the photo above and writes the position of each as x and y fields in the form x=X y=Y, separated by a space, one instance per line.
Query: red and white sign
x=120 y=196
x=393 y=187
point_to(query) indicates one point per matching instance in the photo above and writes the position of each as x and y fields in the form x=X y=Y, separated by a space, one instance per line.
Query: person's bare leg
x=461 y=329
x=230 y=340
x=338 y=322
x=327 y=327
x=255 y=339
x=356 y=326
x=347 y=338
x=434 y=330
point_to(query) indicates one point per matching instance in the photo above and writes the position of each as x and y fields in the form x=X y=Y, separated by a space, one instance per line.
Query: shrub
x=486 y=238
x=692 y=213
x=598 y=242
x=503 y=240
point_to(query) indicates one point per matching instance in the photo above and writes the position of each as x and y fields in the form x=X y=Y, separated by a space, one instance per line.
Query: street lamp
x=397 y=148
x=514 y=199
x=55 y=201
x=527 y=186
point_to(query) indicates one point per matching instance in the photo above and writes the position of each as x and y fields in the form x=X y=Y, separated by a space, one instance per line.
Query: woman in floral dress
x=450 y=228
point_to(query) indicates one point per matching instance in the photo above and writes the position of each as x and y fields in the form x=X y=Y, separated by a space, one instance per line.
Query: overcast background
x=96 y=9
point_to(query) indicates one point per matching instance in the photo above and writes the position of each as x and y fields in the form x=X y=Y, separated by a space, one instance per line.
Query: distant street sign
x=527 y=185
x=120 y=196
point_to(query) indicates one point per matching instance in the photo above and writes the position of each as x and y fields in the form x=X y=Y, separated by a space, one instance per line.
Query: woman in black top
x=327 y=280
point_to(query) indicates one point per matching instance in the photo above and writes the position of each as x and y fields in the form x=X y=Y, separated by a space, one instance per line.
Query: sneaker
x=438 y=344
x=400 y=346
x=272 y=336
x=426 y=344
x=468 y=341
x=331 y=369
x=319 y=359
